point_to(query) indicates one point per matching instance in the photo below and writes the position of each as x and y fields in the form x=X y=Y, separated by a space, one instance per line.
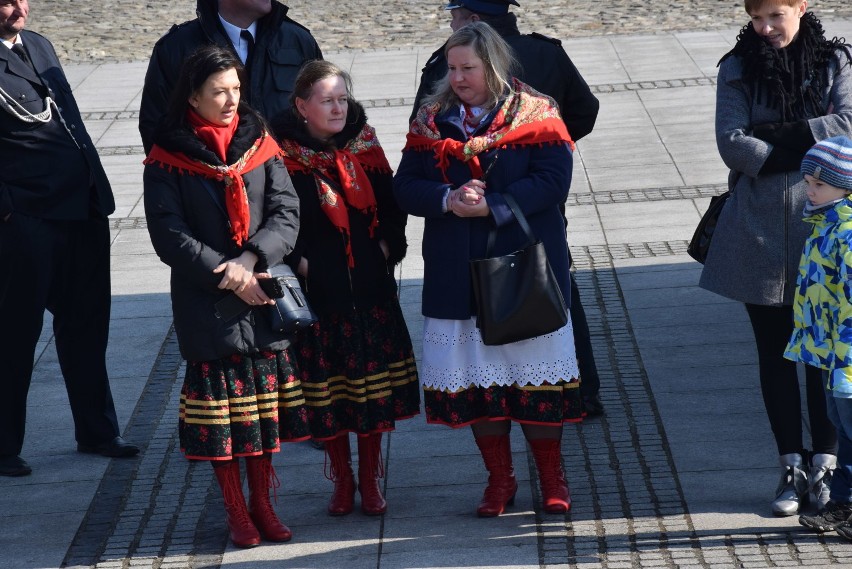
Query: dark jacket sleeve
x=170 y=233
x=276 y=236
x=414 y=191
x=156 y=90
x=392 y=220
x=578 y=105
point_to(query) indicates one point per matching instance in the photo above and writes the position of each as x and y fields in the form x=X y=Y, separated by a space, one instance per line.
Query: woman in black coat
x=356 y=365
x=221 y=209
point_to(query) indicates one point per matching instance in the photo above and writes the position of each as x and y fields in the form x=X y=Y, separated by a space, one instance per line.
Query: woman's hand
x=238 y=273
x=252 y=293
x=468 y=200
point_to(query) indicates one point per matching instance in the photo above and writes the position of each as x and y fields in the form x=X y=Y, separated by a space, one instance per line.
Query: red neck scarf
x=526 y=117
x=218 y=139
x=341 y=178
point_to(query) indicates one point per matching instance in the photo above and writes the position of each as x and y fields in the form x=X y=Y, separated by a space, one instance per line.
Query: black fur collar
x=290 y=126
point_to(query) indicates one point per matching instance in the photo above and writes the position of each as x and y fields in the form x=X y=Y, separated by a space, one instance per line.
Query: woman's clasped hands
x=468 y=200
x=238 y=275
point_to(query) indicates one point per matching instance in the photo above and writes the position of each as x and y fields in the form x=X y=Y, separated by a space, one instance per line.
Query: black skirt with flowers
x=357 y=372
x=229 y=407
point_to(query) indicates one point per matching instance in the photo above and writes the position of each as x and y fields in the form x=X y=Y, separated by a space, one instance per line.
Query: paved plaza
x=680 y=471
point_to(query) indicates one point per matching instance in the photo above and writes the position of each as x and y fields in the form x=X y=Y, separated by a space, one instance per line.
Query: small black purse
x=699 y=245
x=291 y=310
x=516 y=295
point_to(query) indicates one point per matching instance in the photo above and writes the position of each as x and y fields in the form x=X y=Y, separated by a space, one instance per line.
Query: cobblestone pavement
x=125 y=30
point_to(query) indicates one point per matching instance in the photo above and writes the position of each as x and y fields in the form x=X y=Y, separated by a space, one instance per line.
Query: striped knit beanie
x=830 y=161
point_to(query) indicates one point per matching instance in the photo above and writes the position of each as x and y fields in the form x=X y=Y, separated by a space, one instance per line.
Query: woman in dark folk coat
x=221 y=209
x=356 y=365
x=482 y=135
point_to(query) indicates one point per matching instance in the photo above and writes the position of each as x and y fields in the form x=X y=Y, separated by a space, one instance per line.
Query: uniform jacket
x=544 y=66
x=189 y=231
x=822 y=310
x=538 y=177
x=281 y=47
x=29 y=184
x=331 y=284
x=759 y=237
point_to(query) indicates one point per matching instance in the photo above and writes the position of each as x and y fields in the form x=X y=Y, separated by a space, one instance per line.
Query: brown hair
x=752 y=5
x=313 y=71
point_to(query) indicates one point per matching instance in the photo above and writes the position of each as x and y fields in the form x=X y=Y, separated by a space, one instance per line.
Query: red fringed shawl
x=341 y=175
x=526 y=117
x=236 y=199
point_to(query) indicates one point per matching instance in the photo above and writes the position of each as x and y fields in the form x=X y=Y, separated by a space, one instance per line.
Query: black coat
x=281 y=47
x=331 y=284
x=189 y=231
x=544 y=66
x=31 y=182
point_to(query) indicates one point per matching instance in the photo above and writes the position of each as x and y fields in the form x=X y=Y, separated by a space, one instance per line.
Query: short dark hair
x=195 y=70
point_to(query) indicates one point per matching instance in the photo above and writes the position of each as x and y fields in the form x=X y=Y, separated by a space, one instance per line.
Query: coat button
x=73 y=127
x=22 y=97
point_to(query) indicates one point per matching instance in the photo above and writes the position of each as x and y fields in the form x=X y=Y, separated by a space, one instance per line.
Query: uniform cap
x=830 y=161
x=490 y=7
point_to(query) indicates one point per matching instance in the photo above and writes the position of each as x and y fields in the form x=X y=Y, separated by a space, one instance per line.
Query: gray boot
x=819 y=477
x=792 y=491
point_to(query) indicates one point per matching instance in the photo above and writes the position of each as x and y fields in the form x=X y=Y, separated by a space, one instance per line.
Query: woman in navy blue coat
x=481 y=135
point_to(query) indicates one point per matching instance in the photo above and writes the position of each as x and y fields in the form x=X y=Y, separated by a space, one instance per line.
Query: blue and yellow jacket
x=822 y=309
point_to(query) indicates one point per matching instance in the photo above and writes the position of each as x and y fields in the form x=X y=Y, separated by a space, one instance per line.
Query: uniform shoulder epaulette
x=546 y=38
x=297 y=24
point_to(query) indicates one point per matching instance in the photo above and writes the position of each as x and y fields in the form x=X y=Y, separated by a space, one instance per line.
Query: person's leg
x=80 y=303
x=823 y=436
x=492 y=438
x=546 y=444
x=779 y=385
x=261 y=477
x=26 y=255
x=839 y=508
x=339 y=454
x=370 y=470
x=589 y=380
x=242 y=531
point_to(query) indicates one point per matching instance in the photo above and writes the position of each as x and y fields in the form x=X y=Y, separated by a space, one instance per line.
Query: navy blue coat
x=538 y=177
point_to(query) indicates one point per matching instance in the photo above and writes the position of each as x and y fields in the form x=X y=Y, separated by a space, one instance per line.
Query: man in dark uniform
x=546 y=67
x=54 y=244
x=272 y=46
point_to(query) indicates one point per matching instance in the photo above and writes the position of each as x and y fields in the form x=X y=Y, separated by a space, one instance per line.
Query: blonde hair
x=496 y=55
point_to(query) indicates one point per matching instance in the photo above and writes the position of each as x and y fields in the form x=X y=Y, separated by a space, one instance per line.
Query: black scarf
x=791 y=79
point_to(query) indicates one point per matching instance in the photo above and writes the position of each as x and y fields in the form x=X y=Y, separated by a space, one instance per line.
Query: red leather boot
x=340 y=455
x=370 y=470
x=502 y=486
x=241 y=528
x=551 y=477
x=261 y=477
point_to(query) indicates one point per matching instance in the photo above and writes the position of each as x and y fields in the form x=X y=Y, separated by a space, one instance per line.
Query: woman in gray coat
x=781 y=88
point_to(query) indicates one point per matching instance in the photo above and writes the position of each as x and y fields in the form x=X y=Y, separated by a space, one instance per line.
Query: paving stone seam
x=627 y=394
x=600 y=88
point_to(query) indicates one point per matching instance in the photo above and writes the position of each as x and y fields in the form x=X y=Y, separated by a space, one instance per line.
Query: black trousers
x=63 y=267
x=779 y=384
x=590 y=383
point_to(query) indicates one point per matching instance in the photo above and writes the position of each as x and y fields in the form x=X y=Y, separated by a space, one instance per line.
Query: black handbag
x=516 y=295
x=699 y=245
x=291 y=310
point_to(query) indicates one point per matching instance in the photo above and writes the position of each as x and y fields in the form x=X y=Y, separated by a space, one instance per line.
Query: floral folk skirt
x=357 y=372
x=229 y=407
x=532 y=381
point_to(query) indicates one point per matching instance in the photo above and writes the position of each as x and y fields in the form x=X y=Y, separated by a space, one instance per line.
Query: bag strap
x=522 y=221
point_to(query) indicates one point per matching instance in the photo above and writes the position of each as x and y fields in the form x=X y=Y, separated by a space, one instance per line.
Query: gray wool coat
x=758 y=241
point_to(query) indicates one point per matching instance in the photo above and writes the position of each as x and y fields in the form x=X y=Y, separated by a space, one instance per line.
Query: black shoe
x=829 y=519
x=116 y=448
x=844 y=530
x=593 y=406
x=14 y=466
